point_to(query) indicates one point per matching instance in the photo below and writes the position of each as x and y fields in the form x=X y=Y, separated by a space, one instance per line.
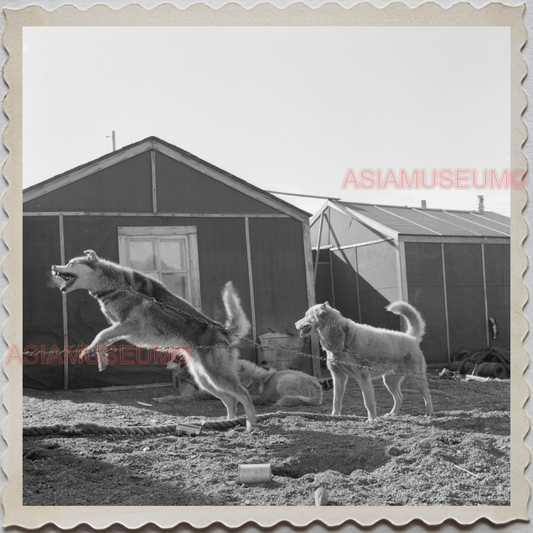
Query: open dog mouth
x=305 y=330
x=67 y=278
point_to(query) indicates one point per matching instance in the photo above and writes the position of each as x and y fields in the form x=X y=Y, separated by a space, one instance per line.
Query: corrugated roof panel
x=408 y=217
x=432 y=221
x=469 y=225
x=496 y=218
x=485 y=226
x=446 y=222
x=388 y=219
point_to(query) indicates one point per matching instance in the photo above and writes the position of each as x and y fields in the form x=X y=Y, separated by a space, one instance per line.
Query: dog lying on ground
x=144 y=312
x=285 y=388
x=365 y=353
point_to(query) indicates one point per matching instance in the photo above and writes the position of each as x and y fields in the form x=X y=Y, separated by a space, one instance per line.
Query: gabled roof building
x=135 y=206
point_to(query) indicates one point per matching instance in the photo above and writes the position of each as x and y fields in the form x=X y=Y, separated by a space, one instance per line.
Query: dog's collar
x=102 y=294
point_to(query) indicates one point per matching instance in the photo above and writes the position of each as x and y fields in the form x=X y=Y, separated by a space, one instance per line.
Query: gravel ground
x=460 y=456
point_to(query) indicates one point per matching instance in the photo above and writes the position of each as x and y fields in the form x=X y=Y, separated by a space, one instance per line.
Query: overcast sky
x=287 y=109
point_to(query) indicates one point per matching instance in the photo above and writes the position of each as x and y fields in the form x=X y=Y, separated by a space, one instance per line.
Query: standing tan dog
x=365 y=353
x=142 y=311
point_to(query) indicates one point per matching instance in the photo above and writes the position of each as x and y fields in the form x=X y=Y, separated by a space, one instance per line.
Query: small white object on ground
x=188 y=429
x=169 y=398
x=470 y=377
x=255 y=473
x=321 y=496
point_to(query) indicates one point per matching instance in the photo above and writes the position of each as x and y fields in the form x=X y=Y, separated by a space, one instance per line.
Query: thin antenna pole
x=114 y=140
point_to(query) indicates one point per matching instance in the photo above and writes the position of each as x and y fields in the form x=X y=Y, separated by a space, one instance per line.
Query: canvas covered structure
x=160 y=209
x=453 y=266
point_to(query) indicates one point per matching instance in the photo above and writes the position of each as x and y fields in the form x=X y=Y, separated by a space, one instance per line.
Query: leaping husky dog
x=365 y=353
x=142 y=311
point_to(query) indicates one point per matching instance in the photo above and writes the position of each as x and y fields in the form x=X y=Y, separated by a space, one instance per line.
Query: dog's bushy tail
x=293 y=401
x=417 y=326
x=237 y=322
x=313 y=395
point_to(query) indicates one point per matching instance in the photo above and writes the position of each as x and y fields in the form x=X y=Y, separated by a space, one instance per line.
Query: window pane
x=142 y=254
x=173 y=254
x=176 y=283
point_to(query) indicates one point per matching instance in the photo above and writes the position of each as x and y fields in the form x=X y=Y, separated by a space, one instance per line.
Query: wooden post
x=445 y=303
x=154 y=187
x=318 y=244
x=64 y=303
x=311 y=299
x=250 y=278
x=485 y=293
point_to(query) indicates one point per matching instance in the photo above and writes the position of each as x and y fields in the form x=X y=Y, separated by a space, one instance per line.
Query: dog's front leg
x=339 y=386
x=105 y=338
x=367 y=389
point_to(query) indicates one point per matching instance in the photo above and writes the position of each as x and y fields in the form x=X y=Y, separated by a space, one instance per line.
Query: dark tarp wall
x=222 y=258
x=279 y=276
x=465 y=294
x=42 y=305
x=425 y=280
x=498 y=276
x=124 y=187
x=186 y=190
x=127 y=187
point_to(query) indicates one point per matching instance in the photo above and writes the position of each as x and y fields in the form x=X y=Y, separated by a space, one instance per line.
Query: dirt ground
x=460 y=456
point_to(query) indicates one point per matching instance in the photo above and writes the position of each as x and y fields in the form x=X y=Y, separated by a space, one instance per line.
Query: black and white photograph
x=268 y=264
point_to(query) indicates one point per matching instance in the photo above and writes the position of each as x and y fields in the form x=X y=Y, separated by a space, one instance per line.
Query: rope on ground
x=89 y=428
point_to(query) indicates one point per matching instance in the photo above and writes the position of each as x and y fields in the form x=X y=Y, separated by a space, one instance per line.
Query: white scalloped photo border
x=233 y=14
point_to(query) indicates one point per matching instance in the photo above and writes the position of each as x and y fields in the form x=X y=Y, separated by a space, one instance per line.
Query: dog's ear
x=323 y=309
x=246 y=381
x=244 y=377
x=91 y=255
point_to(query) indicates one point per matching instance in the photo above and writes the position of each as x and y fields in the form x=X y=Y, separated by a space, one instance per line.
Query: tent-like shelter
x=453 y=266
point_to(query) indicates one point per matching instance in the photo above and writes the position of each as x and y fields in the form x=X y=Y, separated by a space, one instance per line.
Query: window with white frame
x=166 y=253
